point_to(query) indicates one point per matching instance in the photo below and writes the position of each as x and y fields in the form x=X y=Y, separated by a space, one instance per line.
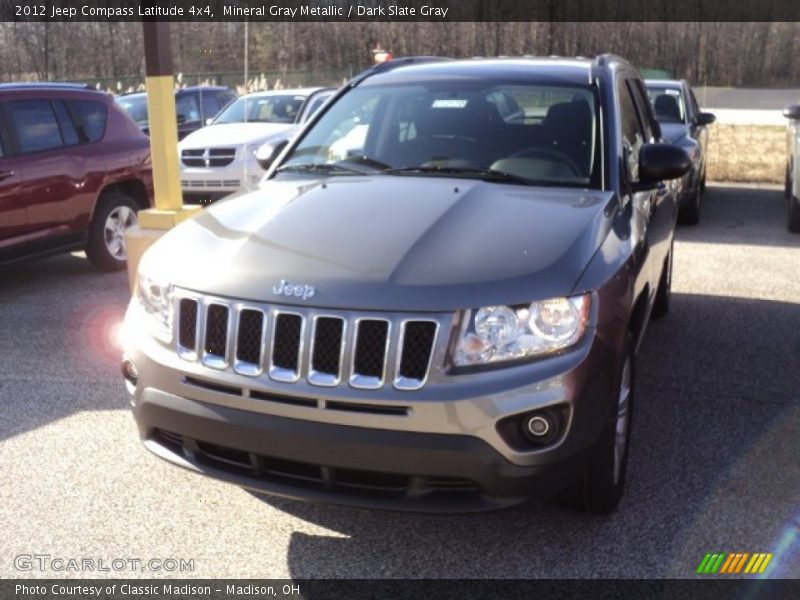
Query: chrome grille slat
x=326 y=352
x=216 y=334
x=415 y=353
x=324 y=348
x=286 y=348
x=368 y=368
x=250 y=330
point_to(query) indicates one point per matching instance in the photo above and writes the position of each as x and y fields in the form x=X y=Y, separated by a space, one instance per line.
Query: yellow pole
x=169 y=209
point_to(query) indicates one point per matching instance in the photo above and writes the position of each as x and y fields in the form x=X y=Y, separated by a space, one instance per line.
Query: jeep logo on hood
x=284 y=288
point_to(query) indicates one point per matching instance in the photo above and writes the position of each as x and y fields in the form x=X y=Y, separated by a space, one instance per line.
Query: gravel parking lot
x=716 y=442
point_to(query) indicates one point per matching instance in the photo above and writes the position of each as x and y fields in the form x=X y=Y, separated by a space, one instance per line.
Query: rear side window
x=36 y=125
x=65 y=124
x=92 y=116
x=187 y=109
x=210 y=106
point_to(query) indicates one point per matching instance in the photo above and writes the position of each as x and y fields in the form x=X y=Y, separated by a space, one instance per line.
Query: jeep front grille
x=287 y=344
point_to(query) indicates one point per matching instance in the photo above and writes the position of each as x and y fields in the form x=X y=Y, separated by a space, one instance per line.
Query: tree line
x=720 y=54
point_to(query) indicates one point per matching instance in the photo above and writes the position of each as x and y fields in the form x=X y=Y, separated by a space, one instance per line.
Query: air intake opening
x=187 y=323
x=248 y=338
x=286 y=343
x=216 y=330
x=327 y=354
x=418 y=337
x=370 y=355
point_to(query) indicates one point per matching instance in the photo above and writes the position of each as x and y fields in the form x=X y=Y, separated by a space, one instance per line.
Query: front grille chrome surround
x=281 y=319
x=369 y=381
x=364 y=350
x=320 y=377
x=402 y=382
x=240 y=363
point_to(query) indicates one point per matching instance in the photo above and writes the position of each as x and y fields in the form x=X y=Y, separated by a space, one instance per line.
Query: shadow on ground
x=719 y=392
x=742 y=216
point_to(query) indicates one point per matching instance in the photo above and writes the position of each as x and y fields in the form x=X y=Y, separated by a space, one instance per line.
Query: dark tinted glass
x=65 y=124
x=93 y=117
x=186 y=108
x=632 y=134
x=210 y=106
x=542 y=132
x=36 y=125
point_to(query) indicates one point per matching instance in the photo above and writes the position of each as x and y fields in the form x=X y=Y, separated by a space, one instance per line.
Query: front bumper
x=447 y=452
x=356 y=466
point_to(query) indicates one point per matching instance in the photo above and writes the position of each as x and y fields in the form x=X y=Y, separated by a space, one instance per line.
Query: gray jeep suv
x=434 y=300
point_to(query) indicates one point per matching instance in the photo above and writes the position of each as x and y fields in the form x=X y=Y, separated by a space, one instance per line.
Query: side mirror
x=267 y=153
x=792 y=112
x=705 y=118
x=658 y=162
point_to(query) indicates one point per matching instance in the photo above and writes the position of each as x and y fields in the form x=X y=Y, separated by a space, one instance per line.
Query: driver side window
x=631 y=129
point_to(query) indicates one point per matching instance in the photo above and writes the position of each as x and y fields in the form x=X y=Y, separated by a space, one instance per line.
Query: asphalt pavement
x=714 y=464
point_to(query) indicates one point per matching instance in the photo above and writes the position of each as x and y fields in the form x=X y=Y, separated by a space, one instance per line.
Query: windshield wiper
x=476 y=172
x=318 y=168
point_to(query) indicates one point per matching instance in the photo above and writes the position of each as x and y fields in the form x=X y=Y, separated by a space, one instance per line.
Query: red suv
x=74 y=171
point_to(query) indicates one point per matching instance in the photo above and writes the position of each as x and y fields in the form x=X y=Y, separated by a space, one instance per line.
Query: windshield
x=667 y=103
x=274 y=108
x=135 y=106
x=544 y=134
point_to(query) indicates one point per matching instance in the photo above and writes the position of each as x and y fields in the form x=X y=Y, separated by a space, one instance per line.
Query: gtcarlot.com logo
x=720 y=563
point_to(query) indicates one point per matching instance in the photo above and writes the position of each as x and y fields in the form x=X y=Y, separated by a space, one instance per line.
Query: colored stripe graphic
x=734 y=560
x=727 y=564
x=764 y=564
x=740 y=564
x=734 y=563
x=703 y=563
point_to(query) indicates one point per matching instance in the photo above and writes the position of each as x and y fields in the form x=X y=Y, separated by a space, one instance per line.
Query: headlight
x=502 y=333
x=252 y=149
x=155 y=299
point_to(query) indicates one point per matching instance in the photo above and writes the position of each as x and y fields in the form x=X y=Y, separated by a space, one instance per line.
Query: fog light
x=129 y=371
x=541 y=427
x=538 y=426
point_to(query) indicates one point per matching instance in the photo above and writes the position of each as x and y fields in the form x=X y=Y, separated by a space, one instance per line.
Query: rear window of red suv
x=93 y=116
x=36 y=125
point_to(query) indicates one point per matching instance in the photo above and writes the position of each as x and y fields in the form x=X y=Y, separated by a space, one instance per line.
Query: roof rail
x=604 y=59
x=47 y=85
x=395 y=63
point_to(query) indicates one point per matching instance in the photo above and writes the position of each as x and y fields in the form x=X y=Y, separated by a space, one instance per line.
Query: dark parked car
x=194 y=107
x=792 y=185
x=74 y=170
x=683 y=123
x=447 y=318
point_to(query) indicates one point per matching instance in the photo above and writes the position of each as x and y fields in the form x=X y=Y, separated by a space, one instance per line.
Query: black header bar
x=400 y=10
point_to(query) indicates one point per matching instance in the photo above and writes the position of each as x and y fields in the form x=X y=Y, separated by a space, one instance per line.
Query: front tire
x=689 y=212
x=600 y=485
x=664 y=293
x=105 y=247
x=794 y=215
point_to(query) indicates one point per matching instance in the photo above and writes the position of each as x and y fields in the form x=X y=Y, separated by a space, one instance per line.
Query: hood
x=234 y=134
x=389 y=242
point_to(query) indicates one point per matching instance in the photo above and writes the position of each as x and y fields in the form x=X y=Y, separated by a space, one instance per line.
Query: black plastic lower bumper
x=340 y=464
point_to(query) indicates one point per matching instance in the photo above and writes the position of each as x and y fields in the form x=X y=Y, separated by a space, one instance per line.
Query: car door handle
x=6 y=174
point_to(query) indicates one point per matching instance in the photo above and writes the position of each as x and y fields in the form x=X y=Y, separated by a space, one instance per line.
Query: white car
x=219 y=159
